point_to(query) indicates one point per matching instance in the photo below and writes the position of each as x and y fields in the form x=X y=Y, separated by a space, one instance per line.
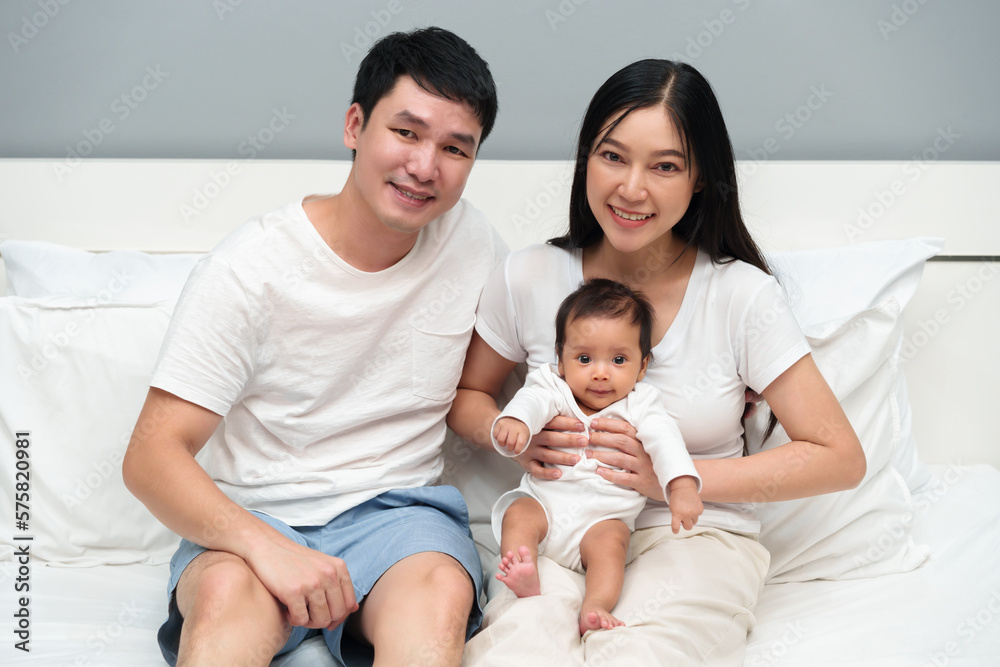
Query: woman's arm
x=475 y=408
x=823 y=456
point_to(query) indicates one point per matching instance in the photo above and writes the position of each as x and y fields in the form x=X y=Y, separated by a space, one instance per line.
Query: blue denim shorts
x=370 y=539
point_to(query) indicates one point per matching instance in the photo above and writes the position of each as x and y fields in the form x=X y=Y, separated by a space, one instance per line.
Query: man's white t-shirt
x=734 y=329
x=334 y=382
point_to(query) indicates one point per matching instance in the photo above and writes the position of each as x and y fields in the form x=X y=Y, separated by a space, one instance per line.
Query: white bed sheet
x=945 y=613
x=89 y=616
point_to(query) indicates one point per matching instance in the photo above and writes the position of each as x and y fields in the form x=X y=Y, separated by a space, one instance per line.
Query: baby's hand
x=685 y=503
x=512 y=434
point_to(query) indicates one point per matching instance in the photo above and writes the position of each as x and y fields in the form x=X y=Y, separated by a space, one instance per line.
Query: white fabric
x=734 y=329
x=75 y=377
x=687 y=599
x=334 y=382
x=91 y=616
x=581 y=498
x=945 y=611
x=37 y=269
x=827 y=284
x=861 y=532
x=833 y=284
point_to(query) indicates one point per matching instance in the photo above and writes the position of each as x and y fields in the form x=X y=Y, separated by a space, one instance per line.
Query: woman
x=654 y=204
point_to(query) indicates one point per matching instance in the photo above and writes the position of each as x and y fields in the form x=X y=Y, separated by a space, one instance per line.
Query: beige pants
x=688 y=599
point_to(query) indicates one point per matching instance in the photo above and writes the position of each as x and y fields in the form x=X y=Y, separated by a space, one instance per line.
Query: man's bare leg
x=603 y=550
x=524 y=527
x=230 y=618
x=418 y=611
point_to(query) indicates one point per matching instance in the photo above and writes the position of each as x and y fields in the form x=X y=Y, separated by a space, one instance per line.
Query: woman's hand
x=539 y=451
x=637 y=467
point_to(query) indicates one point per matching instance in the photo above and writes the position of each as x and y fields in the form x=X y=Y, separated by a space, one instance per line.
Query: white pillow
x=862 y=532
x=831 y=284
x=37 y=269
x=75 y=377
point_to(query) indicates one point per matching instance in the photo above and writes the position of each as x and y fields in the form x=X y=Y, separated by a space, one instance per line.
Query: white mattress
x=918 y=619
x=945 y=613
x=89 y=616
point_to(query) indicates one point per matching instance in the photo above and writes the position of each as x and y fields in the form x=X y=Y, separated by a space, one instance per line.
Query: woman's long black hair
x=713 y=222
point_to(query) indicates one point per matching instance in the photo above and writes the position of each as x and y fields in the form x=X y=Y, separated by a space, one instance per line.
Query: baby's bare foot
x=519 y=573
x=595 y=617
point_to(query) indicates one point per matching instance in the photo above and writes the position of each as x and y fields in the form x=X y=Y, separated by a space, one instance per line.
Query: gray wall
x=815 y=79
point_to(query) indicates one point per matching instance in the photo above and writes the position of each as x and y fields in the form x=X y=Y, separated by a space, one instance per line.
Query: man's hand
x=685 y=503
x=511 y=434
x=315 y=588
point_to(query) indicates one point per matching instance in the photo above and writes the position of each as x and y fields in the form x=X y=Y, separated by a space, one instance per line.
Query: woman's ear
x=699 y=180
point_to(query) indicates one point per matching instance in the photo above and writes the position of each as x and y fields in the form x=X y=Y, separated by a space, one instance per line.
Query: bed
x=889 y=267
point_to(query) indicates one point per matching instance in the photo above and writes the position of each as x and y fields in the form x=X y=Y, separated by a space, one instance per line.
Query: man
x=330 y=334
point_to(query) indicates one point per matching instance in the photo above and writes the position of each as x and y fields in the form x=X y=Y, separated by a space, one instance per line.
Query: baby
x=582 y=521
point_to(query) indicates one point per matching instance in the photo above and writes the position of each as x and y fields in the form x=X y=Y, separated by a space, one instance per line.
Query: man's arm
x=475 y=408
x=159 y=468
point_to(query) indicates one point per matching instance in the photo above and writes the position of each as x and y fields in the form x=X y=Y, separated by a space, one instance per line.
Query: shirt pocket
x=437 y=361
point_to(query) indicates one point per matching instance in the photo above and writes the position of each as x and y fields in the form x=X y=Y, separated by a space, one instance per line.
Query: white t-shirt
x=734 y=329
x=334 y=382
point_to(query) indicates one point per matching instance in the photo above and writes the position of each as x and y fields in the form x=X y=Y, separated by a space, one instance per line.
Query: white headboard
x=189 y=205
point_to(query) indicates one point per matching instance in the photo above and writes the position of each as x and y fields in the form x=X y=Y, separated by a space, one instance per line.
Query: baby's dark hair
x=600 y=297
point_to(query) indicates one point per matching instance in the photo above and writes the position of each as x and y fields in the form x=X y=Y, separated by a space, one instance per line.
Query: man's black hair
x=439 y=61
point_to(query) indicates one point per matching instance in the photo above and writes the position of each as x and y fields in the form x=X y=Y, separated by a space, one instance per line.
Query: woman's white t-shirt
x=734 y=330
